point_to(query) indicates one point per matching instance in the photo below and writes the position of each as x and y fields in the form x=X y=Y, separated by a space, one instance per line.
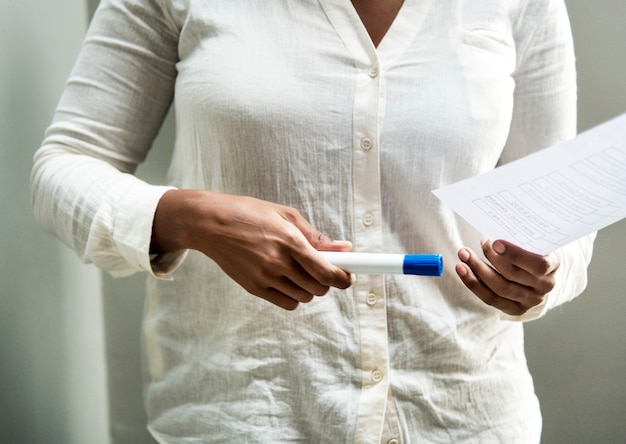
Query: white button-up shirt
x=289 y=101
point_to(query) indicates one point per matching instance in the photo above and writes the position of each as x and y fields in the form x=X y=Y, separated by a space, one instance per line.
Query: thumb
x=322 y=242
x=318 y=240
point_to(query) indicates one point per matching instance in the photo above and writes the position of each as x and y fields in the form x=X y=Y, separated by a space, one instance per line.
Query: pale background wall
x=578 y=353
x=52 y=373
x=58 y=318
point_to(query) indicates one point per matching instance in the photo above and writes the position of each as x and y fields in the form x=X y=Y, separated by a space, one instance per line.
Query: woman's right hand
x=267 y=248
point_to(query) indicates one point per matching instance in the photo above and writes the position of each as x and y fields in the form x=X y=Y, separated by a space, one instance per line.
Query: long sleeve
x=113 y=105
x=544 y=114
x=290 y=102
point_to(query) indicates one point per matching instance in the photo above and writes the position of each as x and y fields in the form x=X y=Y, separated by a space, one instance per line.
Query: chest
x=279 y=80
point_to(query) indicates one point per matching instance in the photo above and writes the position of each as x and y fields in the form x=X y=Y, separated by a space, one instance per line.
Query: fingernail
x=464 y=255
x=483 y=241
x=352 y=278
x=343 y=242
x=461 y=270
x=499 y=247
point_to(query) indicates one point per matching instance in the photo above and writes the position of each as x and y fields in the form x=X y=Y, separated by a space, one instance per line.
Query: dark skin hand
x=268 y=249
x=514 y=281
x=272 y=252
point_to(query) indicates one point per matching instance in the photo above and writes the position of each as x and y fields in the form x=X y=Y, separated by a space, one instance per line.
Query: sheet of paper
x=550 y=198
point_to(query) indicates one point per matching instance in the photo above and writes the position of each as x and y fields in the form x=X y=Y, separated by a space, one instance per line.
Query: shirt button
x=377 y=376
x=371 y=299
x=366 y=144
x=373 y=71
x=368 y=219
x=393 y=441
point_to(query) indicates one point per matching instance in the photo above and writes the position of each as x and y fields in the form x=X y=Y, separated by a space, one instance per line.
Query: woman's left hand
x=516 y=280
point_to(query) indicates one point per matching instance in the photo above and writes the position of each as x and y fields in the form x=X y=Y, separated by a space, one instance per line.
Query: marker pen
x=378 y=263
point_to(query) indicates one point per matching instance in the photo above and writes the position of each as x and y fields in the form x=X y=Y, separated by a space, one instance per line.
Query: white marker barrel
x=381 y=263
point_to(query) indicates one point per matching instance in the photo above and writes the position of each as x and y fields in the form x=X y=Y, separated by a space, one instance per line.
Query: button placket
x=368 y=237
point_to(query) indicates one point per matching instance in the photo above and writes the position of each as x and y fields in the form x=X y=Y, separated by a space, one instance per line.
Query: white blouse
x=289 y=101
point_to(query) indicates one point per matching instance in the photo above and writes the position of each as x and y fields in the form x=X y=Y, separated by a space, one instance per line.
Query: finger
x=300 y=277
x=283 y=273
x=304 y=241
x=507 y=268
x=322 y=270
x=318 y=240
x=291 y=290
x=535 y=264
x=278 y=298
x=261 y=284
x=323 y=243
x=524 y=267
x=493 y=288
x=485 y=294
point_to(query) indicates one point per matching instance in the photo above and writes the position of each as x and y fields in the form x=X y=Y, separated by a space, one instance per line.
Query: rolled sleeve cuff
x=133 y=234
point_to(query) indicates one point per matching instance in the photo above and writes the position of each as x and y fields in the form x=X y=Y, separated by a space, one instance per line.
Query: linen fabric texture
x=289 y=101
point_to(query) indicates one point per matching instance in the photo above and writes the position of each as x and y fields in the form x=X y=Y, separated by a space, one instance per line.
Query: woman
x=294 y=117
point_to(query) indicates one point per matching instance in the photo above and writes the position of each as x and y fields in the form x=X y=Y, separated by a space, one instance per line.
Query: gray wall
x=52 y=371
x=56 y=327
x=577 y=353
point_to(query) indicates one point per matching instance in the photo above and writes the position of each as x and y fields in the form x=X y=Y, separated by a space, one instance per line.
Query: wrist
x=171 y=226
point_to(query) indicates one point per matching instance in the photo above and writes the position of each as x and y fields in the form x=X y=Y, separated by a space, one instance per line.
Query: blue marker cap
x=423 y=264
